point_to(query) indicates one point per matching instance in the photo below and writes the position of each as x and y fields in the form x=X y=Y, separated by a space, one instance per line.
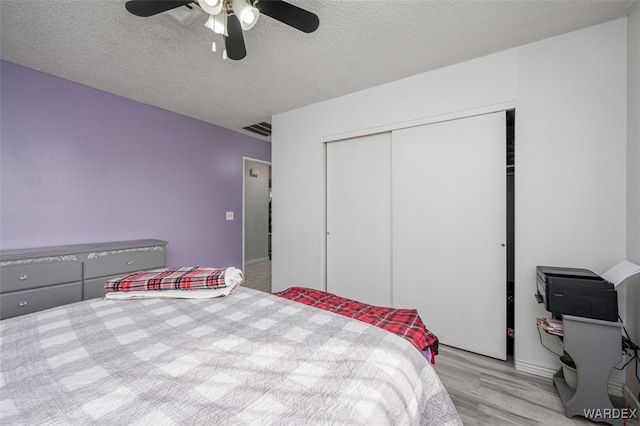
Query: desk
x=595 y=347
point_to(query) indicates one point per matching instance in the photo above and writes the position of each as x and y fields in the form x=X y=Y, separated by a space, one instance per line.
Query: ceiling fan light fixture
x=212 y=7
x=209 y=23
x=247 y=14
x=220 y=23
x=231 y=17
x=217 y=23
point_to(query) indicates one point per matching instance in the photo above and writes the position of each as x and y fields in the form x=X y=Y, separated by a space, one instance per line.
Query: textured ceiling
x=163 y=62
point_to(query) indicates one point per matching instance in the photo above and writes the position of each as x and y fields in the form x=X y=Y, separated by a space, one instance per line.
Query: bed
x=246 y=358
x=403 y=322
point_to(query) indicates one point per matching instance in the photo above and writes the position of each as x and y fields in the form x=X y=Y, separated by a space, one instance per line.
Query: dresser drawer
x=123 y=261
x=94 y=288
x=27 y=276
x=27 y=301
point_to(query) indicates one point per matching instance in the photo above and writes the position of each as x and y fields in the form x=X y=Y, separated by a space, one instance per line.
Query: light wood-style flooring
x=485 y=391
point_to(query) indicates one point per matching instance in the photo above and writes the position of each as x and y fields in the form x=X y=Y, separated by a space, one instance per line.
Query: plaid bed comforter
x=175 y=278
x=403 y=322
x=249 y=358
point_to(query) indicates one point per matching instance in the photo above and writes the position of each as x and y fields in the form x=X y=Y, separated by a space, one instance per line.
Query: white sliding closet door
x=359 y=218
x=449 y=229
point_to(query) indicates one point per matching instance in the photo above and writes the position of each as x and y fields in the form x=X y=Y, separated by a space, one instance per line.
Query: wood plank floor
x=485 y=391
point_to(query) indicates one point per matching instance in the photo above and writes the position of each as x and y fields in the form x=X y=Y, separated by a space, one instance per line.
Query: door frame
x=244 y=194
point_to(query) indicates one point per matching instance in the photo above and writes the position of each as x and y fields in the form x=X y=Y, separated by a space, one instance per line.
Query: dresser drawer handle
x=23 y=277
x=130 y=262
x=23 y=303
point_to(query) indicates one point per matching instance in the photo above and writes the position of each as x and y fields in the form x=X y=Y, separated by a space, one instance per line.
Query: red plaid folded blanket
x=403 y=322
x=176 y=278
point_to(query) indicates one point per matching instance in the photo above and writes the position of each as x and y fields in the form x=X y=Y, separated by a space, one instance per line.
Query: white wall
x=570 y=98
x=633 y=171
x=633 y=136
x=570 y=165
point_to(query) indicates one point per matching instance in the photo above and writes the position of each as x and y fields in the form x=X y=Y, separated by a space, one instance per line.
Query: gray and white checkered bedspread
x=249 y=358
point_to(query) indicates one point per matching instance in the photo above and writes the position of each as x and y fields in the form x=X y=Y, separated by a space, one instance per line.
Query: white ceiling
x=360 y=44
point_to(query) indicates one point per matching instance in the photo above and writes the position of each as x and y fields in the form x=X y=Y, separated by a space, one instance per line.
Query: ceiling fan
x=231 y=17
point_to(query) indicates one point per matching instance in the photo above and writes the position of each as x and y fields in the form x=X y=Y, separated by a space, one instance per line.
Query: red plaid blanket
x=177 y=278
x=403 y=322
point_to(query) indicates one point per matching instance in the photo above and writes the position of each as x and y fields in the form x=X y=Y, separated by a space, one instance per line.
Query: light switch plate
x=229 y=215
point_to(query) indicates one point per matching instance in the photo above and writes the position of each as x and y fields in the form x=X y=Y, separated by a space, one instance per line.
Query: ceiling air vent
x=262 y=128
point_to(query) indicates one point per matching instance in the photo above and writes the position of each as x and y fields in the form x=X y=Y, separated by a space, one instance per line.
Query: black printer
x=579 y=292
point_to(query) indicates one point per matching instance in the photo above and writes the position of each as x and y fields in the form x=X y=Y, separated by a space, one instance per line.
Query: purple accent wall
x=79 y=165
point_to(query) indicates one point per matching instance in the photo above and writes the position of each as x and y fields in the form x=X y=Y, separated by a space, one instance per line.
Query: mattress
x=248 y=358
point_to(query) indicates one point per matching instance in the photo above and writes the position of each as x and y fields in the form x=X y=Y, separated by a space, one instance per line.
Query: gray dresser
x=35 y=279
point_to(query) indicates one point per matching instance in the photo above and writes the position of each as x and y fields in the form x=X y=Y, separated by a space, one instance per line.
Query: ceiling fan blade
x=146 y=8
x=289 y=14
x=234 y=42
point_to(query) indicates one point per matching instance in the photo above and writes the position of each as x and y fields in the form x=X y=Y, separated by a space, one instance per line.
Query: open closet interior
x=511 y=173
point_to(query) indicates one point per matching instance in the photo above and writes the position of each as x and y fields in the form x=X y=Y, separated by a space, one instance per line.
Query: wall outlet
x=229 y=215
